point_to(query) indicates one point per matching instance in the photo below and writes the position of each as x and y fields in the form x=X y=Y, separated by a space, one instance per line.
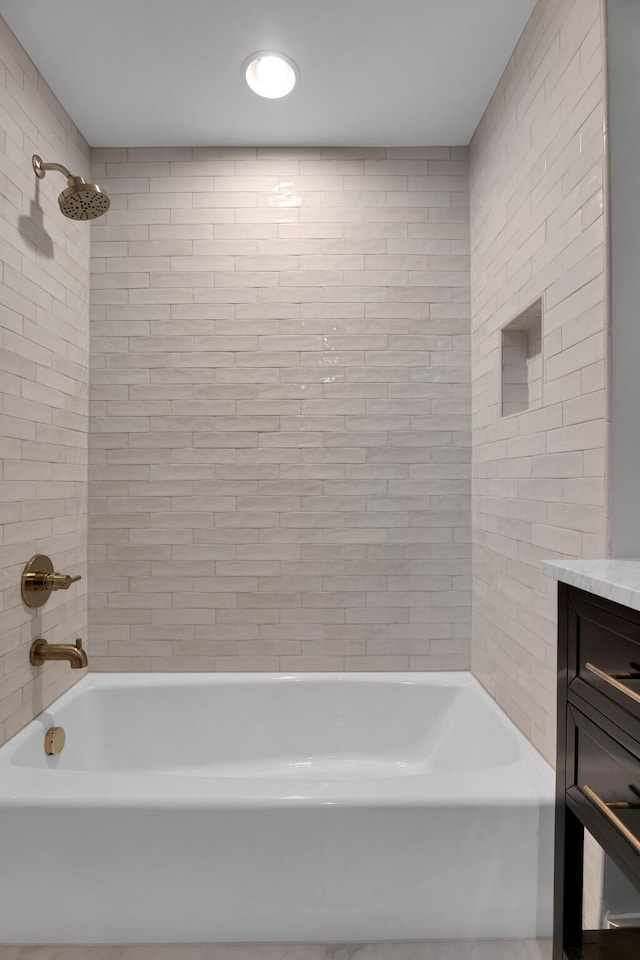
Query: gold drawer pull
x=614 y=819
x=614 y=681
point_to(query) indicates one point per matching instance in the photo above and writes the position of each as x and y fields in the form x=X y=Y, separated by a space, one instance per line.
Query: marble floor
x=425 y=950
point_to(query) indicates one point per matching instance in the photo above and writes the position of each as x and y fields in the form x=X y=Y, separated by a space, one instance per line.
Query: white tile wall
x=280 y=410
x=538 y=231
x=594 y=864
x=44 y=342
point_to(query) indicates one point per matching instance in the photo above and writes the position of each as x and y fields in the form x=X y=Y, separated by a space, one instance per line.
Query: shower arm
x=80 y=200
x=40 y=168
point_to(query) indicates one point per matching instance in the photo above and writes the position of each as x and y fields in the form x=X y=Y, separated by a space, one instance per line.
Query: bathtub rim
x=527 y=780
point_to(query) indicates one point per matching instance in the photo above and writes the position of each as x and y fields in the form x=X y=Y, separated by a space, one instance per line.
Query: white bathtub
x=238 y=807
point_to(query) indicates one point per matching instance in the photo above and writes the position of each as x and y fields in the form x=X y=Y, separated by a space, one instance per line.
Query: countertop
x=617 y=580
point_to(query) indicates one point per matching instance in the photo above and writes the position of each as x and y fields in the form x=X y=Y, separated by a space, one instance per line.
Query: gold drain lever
x=39 y=580
x=54 y=741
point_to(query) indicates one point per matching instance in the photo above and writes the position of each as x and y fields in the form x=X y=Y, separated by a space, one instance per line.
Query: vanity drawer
x=604 y=787
x=604 y=655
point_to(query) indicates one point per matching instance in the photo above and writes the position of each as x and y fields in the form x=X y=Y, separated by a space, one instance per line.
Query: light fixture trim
x=275 y=87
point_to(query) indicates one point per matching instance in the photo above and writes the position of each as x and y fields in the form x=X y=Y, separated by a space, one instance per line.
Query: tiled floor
x=425 y=950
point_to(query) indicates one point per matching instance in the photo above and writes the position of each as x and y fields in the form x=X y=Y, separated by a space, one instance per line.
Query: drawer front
x=603 y=763
x=605 y=785
x=604 y=654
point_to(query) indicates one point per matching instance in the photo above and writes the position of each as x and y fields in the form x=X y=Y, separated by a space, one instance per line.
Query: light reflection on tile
x=365 y=288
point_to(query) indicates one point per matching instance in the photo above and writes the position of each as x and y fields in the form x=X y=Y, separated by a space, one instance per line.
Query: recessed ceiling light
x=270 y=74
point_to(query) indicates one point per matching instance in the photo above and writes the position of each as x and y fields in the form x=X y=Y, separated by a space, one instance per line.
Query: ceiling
x=372 y=72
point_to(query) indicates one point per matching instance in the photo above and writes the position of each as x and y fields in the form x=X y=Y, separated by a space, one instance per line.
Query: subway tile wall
x=280 y=400
x=539 y=477
x=44 y=365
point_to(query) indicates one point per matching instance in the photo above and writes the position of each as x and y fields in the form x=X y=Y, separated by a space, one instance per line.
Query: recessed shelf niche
x=522 y=361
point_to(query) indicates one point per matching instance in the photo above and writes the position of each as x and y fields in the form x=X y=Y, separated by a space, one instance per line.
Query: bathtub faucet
x=41 y=651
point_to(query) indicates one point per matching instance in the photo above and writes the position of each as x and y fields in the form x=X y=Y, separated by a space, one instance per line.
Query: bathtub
x=244 y=807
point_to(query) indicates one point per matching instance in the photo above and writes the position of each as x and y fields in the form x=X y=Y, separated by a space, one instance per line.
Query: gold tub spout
x=41 y=651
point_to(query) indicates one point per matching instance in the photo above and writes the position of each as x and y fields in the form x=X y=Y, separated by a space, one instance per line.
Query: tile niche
x=522 y=362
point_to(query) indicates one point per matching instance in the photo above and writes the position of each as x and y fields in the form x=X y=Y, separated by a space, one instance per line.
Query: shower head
x=80 y=200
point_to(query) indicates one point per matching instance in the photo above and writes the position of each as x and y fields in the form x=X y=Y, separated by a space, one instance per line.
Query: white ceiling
x=372 y=72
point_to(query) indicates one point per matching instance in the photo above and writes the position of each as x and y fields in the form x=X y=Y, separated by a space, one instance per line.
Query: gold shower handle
x=40 y=580
x=59 y=581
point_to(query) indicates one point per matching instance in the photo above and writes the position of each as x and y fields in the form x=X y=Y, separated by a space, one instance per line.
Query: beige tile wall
x=280 y=410
x=539 y=478
x=44 y=342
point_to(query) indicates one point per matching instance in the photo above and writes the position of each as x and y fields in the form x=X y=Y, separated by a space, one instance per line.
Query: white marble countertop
x=617 y=580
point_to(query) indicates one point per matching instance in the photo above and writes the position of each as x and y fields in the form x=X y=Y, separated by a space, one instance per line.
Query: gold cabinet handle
x=613 y=681
x=614 y=819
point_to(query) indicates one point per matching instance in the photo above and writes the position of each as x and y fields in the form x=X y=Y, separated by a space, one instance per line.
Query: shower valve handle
x=58 y=581
x=40 y=580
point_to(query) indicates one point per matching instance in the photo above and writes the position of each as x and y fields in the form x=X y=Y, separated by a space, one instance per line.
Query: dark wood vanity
x=598 y=769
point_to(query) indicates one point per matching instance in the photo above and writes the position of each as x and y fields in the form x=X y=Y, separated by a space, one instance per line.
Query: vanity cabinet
x=598 y=762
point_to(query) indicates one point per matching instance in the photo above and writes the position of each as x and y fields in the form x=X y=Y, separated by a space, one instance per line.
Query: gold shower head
x=80 y=200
